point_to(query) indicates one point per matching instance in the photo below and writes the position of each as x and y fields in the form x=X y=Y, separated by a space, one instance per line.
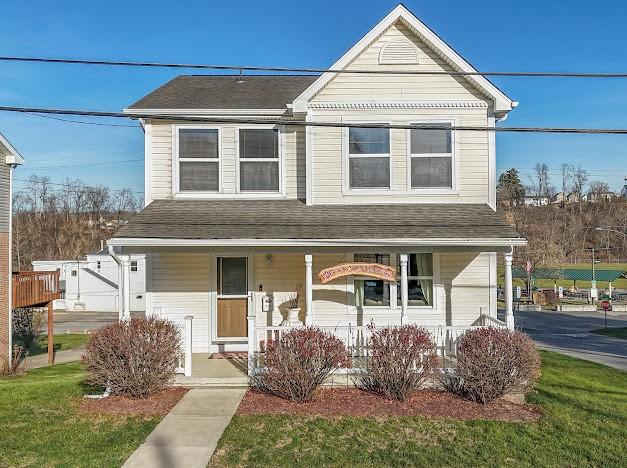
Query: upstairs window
x=133 y=265
x=431 y=157
x=198 y=160
x=259 y=160
x=369 y=158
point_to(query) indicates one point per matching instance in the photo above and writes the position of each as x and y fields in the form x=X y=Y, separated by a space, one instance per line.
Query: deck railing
x=34 y=288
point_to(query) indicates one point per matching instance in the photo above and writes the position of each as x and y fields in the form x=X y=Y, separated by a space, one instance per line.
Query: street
x=569 y=333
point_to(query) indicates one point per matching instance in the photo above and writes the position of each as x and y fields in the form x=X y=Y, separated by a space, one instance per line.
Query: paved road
x=82 y=322
x=569 y=333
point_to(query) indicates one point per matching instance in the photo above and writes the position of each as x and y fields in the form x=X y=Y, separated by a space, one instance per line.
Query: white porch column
x=403 y=261
x=120 y=303
x=308 y=289
x=188 y=346
x=126 y=287
x=509 y=295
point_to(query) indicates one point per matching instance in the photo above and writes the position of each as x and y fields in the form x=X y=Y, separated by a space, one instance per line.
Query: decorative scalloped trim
x=400 y=105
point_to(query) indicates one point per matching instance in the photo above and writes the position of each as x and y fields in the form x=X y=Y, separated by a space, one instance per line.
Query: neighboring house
x=536 y=200
x=9 y=159
x=559 y=197
x=239 y=214
x=91 y=283
x=594 y=197
x=574 y=197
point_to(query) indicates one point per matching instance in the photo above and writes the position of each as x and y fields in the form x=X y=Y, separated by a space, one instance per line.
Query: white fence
x=185 y=358
x=357 y=338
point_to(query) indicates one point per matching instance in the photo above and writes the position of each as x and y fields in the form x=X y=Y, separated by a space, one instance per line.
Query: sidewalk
x=60 y=357
x=189 y=434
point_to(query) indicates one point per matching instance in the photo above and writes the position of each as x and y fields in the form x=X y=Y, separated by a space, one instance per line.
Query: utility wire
x=242 y=68
x=300 y=123
x=73 y=187
x=100 y=124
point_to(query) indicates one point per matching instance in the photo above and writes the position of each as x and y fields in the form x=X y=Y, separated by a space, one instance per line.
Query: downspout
x=10 y=288
x=118 y=260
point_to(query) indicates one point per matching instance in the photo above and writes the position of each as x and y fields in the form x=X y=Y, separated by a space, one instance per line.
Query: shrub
x=299 y=362
x=134 y=358
x=492 y=362
x=27 y=325
x=402 y=358
x=16 y=365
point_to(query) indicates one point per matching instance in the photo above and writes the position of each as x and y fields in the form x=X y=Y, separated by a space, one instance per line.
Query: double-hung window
x=431 y=156
x=371 y=292
x=368 y=158
x=259 y=168
x=198 y=160
x=419 y=279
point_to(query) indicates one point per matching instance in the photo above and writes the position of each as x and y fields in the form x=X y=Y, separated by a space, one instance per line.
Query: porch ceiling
x=293 y=223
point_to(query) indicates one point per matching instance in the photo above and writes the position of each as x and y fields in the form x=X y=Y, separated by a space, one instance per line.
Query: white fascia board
x=443 y=242
x=502 y=103
x=203 y=112
x=13 y=157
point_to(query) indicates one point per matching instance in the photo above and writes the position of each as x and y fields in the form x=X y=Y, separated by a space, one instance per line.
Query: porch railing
x=34 y=288
x=357 y=338
x=185 y=357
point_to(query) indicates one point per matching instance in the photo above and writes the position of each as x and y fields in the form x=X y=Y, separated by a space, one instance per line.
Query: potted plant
x=293 y=309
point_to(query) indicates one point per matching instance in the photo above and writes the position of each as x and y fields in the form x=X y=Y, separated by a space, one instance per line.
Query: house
x=596 y=197
x=91 y=283
x=258 y=184
x=575 y=197
x=558 y=198
x=9 y=160
x=536 y=200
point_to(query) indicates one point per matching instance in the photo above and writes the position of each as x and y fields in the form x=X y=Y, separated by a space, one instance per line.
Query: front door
x=232 y=276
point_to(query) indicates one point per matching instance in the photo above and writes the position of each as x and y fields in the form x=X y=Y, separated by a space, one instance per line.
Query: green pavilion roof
x=584 y=274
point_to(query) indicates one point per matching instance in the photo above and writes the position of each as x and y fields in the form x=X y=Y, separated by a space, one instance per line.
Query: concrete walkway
x=60 y=357
x=189 y=434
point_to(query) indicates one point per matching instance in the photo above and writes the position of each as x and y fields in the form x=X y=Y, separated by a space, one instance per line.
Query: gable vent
x=398 y=51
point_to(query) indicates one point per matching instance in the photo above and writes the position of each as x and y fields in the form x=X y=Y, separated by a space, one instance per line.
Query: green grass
x=620 y=283
x=618 y=332
x=584 y=424
x=40 y=424
x=61 y=343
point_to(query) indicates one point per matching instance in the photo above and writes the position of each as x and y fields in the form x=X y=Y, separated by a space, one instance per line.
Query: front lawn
x=618 y=332
x=41 y=426
x=584 y=423
x=62 y=342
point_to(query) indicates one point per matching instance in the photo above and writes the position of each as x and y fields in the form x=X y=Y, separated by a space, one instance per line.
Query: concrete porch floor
x=208 y=372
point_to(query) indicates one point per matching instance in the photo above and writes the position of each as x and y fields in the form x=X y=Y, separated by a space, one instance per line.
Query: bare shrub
x=134 y=358
x=16 y=365
x=402 y=358
x=492 y=362
x=298 y=363
x=27 y=325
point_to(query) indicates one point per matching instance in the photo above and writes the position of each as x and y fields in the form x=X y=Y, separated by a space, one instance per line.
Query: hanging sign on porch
x=371 y=270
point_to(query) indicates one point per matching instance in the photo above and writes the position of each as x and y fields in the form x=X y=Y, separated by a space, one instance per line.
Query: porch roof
x=270 y=222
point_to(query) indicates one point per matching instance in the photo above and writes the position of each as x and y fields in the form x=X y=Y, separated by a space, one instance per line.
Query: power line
x=242 y=68
x=301 y=123
x=100 y=124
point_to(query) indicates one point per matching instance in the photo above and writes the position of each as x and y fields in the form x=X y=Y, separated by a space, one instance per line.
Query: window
x=198 y=160
x=133 y=265
x=371 y=291
x=73 y=273
x=232 y=276
x=419 y=279
x=431 y=157
x=368 y=158
x=98 y=265
x=259 y=160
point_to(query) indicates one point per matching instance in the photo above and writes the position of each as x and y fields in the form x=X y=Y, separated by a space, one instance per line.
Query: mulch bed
x=158 y=404
x=230 y=355
x=355 y=402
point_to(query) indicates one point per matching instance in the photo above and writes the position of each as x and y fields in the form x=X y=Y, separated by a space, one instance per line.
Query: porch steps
x=210 y=382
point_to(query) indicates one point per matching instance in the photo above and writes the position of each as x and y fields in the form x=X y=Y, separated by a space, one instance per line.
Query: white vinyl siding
x=5 y=195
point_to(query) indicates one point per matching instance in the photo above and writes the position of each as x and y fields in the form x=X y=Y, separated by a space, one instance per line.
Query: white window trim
x=454 y=190
x=176 y=191
x=281 y=193
x=394 y=304
x=346 y=187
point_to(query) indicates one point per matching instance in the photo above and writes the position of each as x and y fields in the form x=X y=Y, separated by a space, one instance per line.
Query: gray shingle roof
x=292 y=219
x=226 y=92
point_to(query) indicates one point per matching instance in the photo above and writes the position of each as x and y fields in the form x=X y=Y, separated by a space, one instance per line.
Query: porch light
x=269 y=260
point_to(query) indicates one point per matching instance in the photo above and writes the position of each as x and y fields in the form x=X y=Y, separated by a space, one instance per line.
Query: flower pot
x=292 y=319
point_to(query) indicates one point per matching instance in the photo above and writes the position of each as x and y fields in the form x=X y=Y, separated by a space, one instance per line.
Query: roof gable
x=502 y=103
x=10 y=154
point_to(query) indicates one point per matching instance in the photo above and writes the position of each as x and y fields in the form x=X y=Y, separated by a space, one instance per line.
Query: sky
x=494 y=36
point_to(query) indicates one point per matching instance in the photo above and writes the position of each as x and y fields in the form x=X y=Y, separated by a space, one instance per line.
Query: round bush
x=134 y=358
x=493 y=362
x=401 y=359
x=296 y=364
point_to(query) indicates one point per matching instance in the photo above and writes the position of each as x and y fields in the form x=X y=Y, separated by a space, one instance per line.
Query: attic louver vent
x=399 y=51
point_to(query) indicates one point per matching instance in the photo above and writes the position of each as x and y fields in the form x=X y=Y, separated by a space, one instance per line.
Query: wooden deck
x=34 y=288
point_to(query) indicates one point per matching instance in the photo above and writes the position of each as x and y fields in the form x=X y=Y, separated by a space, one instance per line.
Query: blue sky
x=512 y=36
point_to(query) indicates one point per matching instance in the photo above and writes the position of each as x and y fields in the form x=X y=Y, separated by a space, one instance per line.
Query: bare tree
x=580 y=178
